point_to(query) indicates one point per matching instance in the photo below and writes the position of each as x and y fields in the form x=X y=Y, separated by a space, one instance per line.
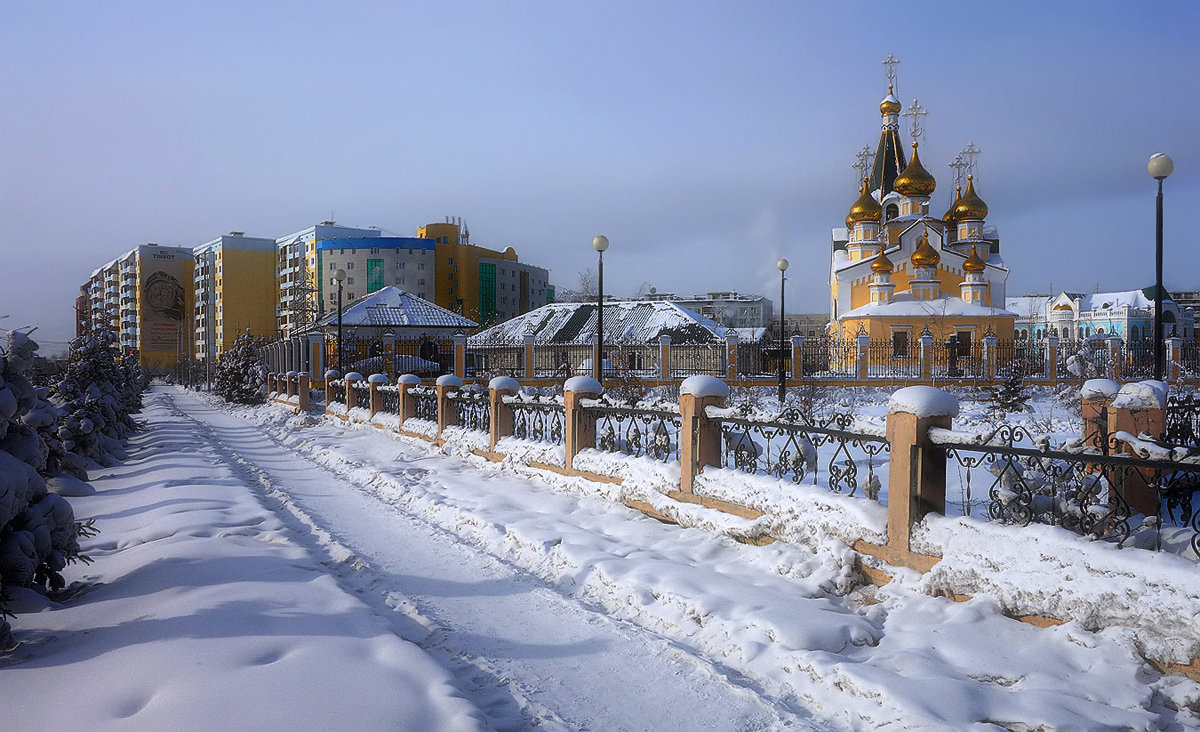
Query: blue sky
x=704 y=139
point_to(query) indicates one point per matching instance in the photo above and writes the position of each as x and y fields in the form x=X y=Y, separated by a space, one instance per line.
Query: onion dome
x=926 y=255
x=950 y=217
x=881 y=264
x=866 y=208
x=974 y=264
x=890 y=104
x=970 y=206
x=915 y=180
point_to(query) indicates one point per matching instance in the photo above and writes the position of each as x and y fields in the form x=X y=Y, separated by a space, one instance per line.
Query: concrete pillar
x=1096 y=396
x=460 y=355
x=389 y=354
x=580 y=432
x=1114 y=357
x=316 y=349
x=375 y=381
x=861 y=357
x=1138 y=408
x=305 y=388
x=447 y=385
x=529 y=362
x=408 y=405
x=699 y=437
x=330 y=376
x=1174 y=356
x=731 y=355
x=797 y=357
x=352 y=379
x=1052 y=358
x=927 y=356
x=917 y=467
x=989 y=355
x=502 y=413
x=664 y=357
x=290 y=384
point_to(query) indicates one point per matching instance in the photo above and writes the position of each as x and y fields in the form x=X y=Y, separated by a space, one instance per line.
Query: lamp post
x=1159 y=167
x=600 y=243
x=782 y=265
x=340 y=277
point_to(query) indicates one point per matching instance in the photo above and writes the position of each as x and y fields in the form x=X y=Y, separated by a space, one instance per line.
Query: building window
x=900 y=343
x=421 y=266
x=350 y=265
x=349 y=280
x=374 y=250
x=332 y=267
x=399 y=265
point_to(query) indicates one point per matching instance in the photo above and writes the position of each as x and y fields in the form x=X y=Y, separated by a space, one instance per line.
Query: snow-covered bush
x=97 y=395
x=241 y=373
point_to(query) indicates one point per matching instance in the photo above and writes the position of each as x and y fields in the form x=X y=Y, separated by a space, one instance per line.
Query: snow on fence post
x=375 y=381
x=664 y=357
x=529 y=362
x=989 y=356
x=797 y=357
x=917 y=468
x=352 y=378
x=1114 y=356
x=1095 y=398
x=304 y=384
x=270 y=383
x=291 y=384
x=1052 y=358
x=580 y=431
x=460 y=355
x=501 y=411
x=731 y=355
x=861 y=359
x=330 y=376
x=1174 y=354
x=699 y=437
x=408 y=405
x=927 y=355
x=1138 y=408
x=447 y=384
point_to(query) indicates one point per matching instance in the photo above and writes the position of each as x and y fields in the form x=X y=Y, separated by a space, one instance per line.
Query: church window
x=900 y=343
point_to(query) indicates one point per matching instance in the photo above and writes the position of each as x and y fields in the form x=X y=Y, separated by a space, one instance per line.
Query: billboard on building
x=163 y=282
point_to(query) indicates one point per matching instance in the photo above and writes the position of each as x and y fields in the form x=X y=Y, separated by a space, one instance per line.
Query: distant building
x=1128 y=315
x=234 y=292
x=806 y=324
x=296 y=273
x=372 y=263
x=727 y=308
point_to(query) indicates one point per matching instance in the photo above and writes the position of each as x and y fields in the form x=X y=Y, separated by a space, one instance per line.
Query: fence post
x=861 y=359
x=408 y=405
x=1174 y=356
x=1138 y=408
x=580 y=432
x=927 y=355
x=664 y=357
x=989 y=356
x=330 y=376
x=291 y=383
x=917 y=468
x=389 y=354
x=447 y=409
x=376 y=381
x=352 y=378
x=460 y=355
x=304 y=386
x=797 y=357
x=1052 y=358
x=731 y=355
x=529 y=362
x=502 y=412
x=1114 y=355
x=699 y=437
x=1096 y=396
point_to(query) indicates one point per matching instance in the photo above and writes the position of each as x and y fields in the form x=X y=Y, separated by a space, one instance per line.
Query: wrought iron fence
x=425 y=399
x=1138 y=360
x=389 y=399
x=1181 y=420
x=787 y=447
x=815 y=356
x=337 y=391
x=637 y=432
x=474 y=410
x=538 y=421
x=561 y=360
x=1020 y=358
x=953 y=360
x=893 y=360
x=1189 y=358
x=486 y=359
x=691 y=359
x=1083 y=488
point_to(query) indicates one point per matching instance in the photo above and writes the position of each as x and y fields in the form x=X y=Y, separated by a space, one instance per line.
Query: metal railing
x=389 y=399
x=538 y=421
x=637 y=432
x=337 y=391
x=425 y=399
x=474 y=410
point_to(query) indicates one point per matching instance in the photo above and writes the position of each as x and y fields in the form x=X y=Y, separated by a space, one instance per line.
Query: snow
x=449 y=380
x=1141 y=395
x=924 y=401
x=583 y=385
x=1093 y=388
x=504 y=383
x=409 y=380
x=353 y=377
x=332 y=375
x=703 y=385
x=903 y=304
x=377 y=379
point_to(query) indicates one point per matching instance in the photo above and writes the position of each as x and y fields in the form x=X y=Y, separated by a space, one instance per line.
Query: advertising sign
x=162 y=276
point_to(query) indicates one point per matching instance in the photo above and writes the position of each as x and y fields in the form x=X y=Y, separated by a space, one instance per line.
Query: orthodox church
x=898 y=271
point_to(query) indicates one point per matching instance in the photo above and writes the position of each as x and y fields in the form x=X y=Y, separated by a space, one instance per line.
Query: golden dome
x=890 y=104
x=950 y=217
x=970 y=206
x=881 y=264
x=974 y=264
x=866 y=208
x=915 y=180
x=926 y=255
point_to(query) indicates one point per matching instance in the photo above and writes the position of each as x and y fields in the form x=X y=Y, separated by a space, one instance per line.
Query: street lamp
x=340 y=277
x=600 y=243
x=782 y=265
x=1159 y=167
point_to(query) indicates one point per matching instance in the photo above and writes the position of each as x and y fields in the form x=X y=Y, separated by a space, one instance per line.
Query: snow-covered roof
x=904 y=304
x=392 y=307
x=1116 y=300
x=1027 y=306
x=637 y=321
x=749 y=335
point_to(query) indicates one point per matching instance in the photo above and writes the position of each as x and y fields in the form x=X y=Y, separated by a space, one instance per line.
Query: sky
x=705 y=139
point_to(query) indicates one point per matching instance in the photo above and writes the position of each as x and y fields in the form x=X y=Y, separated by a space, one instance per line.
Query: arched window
x=1133 y=332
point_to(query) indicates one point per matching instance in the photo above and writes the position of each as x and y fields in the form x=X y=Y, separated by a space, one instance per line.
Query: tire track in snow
x=507 y=701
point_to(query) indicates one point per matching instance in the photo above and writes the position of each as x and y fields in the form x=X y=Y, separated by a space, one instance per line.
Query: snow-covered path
x=524 y=652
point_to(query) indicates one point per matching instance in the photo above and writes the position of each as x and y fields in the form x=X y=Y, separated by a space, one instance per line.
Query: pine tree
x=1009 y=396
x=241 y=373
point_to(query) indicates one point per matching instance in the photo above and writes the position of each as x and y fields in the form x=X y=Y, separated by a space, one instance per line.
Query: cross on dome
x=915 y=112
